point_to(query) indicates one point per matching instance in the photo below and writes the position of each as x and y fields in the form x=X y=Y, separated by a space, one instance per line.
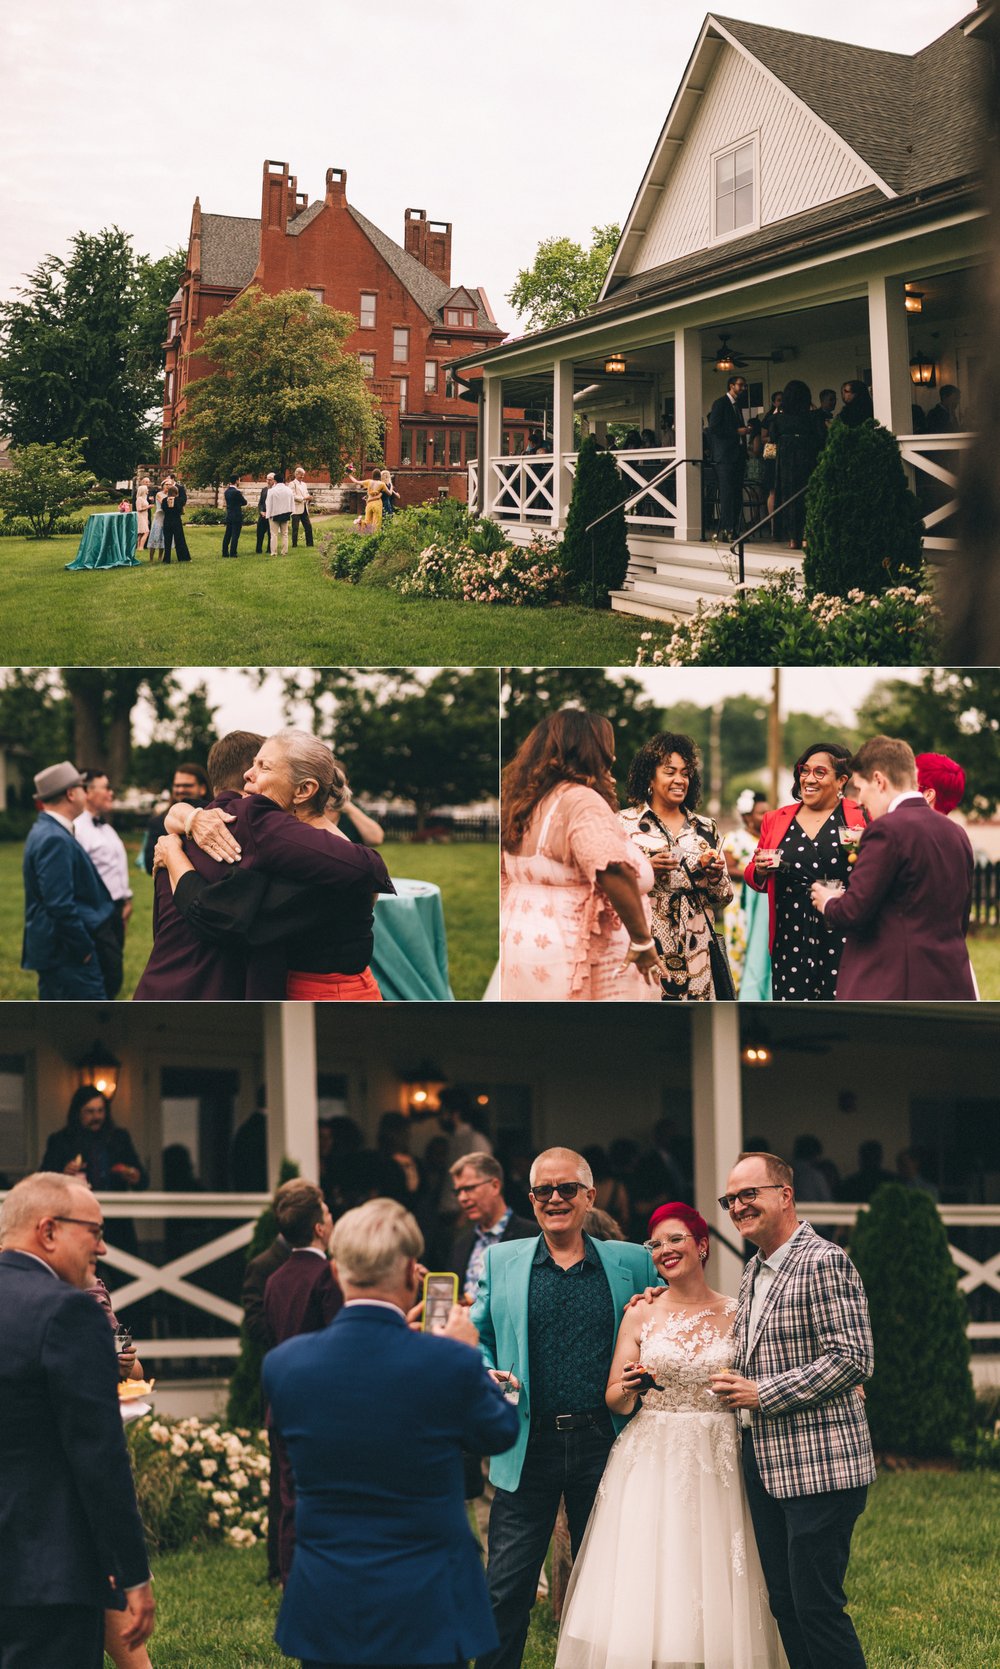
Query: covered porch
x=643 y=384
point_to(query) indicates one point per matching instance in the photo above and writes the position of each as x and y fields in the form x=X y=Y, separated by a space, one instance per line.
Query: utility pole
x=715 y=760
x=774 y=734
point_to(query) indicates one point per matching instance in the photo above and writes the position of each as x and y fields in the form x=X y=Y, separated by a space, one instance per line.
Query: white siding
x=801 y=165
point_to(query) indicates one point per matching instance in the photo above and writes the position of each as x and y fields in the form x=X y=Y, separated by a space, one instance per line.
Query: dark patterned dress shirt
x=571 y=1331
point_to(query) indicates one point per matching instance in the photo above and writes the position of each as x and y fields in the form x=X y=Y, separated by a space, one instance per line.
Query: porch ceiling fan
x=727 y=358
x=757 y=1036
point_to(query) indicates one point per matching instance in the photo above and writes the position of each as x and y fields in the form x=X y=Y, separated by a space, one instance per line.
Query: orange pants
x=333 y=988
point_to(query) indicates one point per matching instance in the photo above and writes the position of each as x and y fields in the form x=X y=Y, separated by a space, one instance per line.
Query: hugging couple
x=714 y=1531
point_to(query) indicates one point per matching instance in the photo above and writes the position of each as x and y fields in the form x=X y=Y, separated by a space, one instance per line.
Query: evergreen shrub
x=863 y=524
x=598 y=487
x=244 y=1405
x=920 y=1399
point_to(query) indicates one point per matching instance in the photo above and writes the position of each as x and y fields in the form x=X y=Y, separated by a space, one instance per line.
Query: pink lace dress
x=560 y=938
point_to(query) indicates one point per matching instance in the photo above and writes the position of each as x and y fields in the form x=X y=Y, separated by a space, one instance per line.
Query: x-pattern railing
x=524 y=486
x=654 y=508
x=923 y=453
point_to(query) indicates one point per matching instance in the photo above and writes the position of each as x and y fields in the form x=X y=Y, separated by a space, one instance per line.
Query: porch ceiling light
x=913 y=300
x=614 y=365
x=725 y=361
x=100 y=1068
x=422 y=1088
x=923 y=371
x=757 y=1054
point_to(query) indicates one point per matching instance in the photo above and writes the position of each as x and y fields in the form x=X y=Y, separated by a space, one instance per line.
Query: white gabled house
x=811 y=209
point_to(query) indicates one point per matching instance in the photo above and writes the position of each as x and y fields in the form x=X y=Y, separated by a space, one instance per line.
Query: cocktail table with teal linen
x=410 y=959
x=108 y=542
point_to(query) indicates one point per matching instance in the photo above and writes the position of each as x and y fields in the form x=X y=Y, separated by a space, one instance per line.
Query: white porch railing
x=930 y=456
x=656 y=510
x=975 y=1272
x=473 y=469
x=523 y=488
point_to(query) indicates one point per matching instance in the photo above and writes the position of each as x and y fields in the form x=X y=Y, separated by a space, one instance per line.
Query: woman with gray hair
x=328 y=960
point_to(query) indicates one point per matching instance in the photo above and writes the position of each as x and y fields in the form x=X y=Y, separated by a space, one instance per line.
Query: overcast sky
x=514 y=119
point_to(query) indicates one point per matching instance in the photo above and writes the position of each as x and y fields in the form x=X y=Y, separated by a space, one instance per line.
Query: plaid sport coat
x=811 y=1349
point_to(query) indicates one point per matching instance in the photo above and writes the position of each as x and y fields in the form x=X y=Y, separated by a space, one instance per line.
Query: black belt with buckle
x=593 y=1417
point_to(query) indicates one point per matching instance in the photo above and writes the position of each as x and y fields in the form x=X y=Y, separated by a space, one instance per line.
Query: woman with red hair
x=668 y=1571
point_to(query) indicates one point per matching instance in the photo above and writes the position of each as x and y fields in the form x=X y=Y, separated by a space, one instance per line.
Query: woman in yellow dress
x=373 y=504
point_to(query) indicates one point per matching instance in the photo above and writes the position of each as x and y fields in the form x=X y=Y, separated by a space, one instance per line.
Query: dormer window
x=734 y=189
x=462 y=317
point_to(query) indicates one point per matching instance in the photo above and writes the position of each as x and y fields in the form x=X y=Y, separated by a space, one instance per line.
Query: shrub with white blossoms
x=520 y=576
x=777 y=624
x=230 y=1470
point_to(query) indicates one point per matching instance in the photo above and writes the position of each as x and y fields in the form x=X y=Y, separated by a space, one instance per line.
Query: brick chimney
x=429 y=242
x=277 y=197
x=336 y=186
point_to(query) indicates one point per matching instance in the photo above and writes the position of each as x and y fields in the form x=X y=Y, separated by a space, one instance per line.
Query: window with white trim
x=367 y=364
x=367 y=310
x=430 y=376
x=400 y=344
x=734 y=189
x=403 y=384
x=313 y=290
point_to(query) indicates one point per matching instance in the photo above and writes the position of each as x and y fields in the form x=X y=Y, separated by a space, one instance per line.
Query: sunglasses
x=543 y=1191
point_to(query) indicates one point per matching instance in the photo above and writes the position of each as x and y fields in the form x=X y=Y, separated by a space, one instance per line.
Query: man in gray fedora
x=67 y=907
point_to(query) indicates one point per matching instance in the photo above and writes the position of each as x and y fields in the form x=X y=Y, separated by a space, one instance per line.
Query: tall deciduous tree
x=285 y=391
x=953 y=711
x=80 y=351
x=564 y=278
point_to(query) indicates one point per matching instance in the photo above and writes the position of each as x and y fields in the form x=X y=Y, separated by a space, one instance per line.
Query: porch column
x=892 y=393
x=562 y=438
x=492 y=431
x=688 y=425
x=290 y=1082
x=717 y=1119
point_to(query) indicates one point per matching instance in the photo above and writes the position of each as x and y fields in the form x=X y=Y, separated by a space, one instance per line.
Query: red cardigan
x=772 y=832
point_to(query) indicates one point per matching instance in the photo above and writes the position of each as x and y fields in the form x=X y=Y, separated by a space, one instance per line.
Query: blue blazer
x=68 y=1516
x=375 y=1418
x=65 y=900
x=501 y=1314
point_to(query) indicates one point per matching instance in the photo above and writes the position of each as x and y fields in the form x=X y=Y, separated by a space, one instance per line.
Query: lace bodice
x=684 y=1349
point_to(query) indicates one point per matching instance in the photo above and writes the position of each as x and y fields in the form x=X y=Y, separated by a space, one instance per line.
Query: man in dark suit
x=478 y=1183
x=71 y=1541
x=263 y=530
x=66 y=904
x=300 y=1297
x=234 y=519
x=375 y=1416
x=727 y=432
x=184 y=967
x=906 y=910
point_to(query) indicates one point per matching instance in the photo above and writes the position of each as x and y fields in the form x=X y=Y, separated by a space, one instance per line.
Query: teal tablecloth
x=108 y=542
x=410 y=959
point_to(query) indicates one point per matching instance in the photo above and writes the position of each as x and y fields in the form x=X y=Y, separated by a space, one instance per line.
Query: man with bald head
x=71 y=1541
x=547 y=1312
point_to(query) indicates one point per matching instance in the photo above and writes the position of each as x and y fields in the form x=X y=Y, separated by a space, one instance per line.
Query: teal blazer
x=500 y=1312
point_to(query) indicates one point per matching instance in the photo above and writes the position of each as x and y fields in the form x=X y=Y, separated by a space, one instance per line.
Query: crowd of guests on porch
x=859 y=888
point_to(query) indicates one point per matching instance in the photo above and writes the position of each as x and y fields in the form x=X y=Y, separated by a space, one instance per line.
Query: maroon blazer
x=773 y=829
x=185 y=968
x=300 y=1297
x=906 y=911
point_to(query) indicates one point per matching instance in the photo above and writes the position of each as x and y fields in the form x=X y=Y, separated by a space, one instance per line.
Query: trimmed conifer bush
x=598 y=487
x=920 y=1397
x=244 y=1405
x=863 y=524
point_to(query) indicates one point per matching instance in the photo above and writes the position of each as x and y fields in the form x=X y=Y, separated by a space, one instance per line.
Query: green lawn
x=280 y=611
x=921 y=1586
x=467 y=876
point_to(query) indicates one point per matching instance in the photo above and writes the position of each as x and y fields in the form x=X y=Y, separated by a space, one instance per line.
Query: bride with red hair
x=668 y=1575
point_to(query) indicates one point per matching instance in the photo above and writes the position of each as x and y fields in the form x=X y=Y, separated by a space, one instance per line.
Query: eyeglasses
x=746 y=1196
x=96 y=1229
x=470 y=1187
x=543 y=1191
x=671 y=1240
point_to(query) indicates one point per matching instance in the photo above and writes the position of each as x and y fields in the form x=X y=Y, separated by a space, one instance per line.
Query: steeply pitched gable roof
x=429 y=293
x=915 y=119
x=230 y=250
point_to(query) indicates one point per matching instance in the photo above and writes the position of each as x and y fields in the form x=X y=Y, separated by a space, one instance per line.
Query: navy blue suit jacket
x=69 y=1524
x=65 y=900
x=374 y=1418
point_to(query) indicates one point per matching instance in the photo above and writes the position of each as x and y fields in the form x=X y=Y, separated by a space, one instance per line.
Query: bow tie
x=98 y=821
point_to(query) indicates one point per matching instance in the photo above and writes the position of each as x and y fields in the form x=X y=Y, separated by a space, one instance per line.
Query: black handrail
x=630 y=498
x=736 y=548
x=737 y=1251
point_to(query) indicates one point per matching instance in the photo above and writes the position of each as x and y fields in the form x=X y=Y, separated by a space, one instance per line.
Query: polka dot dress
x=806 y=952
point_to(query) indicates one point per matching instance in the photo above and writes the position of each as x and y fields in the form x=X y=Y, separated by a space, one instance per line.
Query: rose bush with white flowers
x=195 y=1476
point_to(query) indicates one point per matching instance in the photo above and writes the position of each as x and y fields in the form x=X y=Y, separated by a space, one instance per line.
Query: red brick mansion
x=411 y=318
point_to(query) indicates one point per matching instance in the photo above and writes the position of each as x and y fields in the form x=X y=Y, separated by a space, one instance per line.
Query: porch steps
x=668 y=583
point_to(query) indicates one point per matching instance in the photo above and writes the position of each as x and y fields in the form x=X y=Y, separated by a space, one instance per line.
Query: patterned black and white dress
x=806 y=952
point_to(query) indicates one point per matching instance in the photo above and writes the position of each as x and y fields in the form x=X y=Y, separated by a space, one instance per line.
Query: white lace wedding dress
x=668 y=1575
